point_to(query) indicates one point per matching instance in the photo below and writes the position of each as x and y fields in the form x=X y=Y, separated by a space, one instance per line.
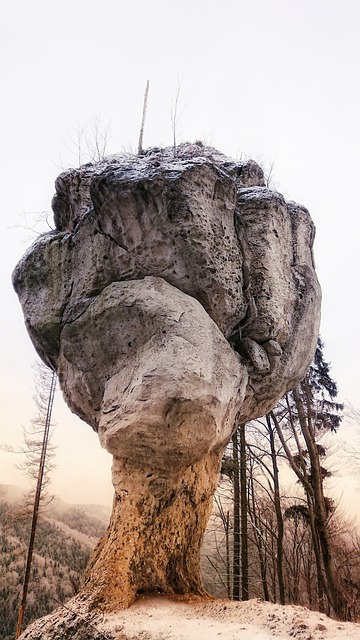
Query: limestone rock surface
x=167 y=370
x=203 y=223
x=176 y=295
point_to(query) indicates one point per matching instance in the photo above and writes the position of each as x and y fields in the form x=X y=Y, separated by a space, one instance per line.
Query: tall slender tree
x=312 y=410
x=44 y=400
x=279 y=517
x=244 y=515
x=236 y=517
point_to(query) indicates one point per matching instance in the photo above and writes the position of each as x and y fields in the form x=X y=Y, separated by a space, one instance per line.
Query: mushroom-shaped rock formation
x=176 y=297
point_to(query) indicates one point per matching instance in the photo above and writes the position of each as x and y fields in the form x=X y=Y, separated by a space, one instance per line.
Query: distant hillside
x=66 y=535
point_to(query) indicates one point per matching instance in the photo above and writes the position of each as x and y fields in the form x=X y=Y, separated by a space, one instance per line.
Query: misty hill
x=66 y=535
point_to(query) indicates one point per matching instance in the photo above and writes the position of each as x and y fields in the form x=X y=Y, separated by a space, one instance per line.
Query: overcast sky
x=276 y=80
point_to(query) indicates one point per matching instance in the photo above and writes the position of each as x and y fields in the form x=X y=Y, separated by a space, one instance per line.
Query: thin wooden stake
x=140 y=147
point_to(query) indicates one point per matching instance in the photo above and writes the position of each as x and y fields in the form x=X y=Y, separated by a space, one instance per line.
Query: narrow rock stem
x=167 y=514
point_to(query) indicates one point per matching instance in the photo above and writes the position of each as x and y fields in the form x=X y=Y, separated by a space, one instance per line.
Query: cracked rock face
x=176 y=295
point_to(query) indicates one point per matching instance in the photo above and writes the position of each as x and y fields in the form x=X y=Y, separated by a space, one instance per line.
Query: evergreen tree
x=310 y=410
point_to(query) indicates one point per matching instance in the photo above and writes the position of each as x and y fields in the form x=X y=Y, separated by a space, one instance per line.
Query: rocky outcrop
x=162 y=618
x=175 y=296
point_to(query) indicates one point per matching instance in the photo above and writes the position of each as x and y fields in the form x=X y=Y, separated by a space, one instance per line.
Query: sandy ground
x=162 y=618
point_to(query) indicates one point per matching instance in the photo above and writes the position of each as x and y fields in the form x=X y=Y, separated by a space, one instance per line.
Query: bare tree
x=244 y=515
x=259 y=536
x=351 y=451
x=277 y=506
x=236 y=517
x=89 y=143
x=34 y=222
x=33 y=436
x=265 y=453
x=97 y=140
x=225 y=519
x=217 y=547
x=37 y=458
x=175 y=115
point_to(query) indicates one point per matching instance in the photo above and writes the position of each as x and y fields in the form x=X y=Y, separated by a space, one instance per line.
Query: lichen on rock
x=175 y=297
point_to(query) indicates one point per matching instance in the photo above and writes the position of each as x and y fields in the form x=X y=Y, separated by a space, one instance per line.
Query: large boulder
x=176 y=297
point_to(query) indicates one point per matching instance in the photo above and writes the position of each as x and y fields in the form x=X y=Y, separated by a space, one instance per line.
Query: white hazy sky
x=277 y=80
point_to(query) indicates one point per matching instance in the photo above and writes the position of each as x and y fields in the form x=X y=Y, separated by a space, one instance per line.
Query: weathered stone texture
x=203 y=223
x=176 y=295
x=145 y=351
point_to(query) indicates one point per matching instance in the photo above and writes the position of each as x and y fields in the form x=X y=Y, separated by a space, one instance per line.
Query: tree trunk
x=279 y=518
x=168 y=515
x=335 y=593
x=263 y=574
x=244 y=514
x=259 y=542
x=37 y=498
x=228 y=567
x=236 y=520
x=301 y=473
x=321 y=583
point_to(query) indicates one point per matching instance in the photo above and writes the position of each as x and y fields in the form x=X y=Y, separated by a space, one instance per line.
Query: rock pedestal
x=155 y=534
x=176 y=297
